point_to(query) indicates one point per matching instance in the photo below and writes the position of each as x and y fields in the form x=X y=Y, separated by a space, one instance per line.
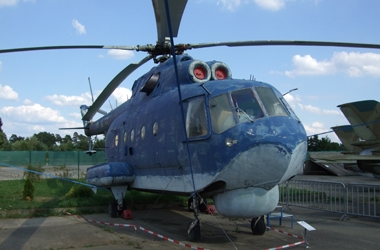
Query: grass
x=50 y=194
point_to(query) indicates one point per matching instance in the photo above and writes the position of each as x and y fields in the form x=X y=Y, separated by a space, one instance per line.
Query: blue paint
x=160 y=157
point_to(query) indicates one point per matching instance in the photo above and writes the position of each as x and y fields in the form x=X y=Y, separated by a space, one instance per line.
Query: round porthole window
x=125 y=136
x=143 y=132
x=116 y=140
x=132 y=135
x=155 y=128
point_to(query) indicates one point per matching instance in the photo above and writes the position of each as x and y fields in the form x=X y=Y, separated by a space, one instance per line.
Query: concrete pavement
x=69 y=232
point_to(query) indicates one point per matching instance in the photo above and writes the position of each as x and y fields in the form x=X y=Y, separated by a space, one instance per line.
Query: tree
x=58 y=139
x=15 y=138
x=99 y=143
x=323 y=144
x=82 y=142
x=46 y=138
x=4 y=143
x=31 y=143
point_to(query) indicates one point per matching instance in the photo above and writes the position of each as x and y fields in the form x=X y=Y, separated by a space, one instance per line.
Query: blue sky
x=42 y=90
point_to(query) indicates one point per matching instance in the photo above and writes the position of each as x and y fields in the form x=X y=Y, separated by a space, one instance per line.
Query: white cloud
x=357 y=64
x=0 y=62
x=331 y=112
x=315 y=128
x=230 y=5
x=122 y=94
x=318 y=111
x=292 y=100
x=75 y=101
x=272 y=5
x=310 y=109
x=76 y=115
x=81 y=30
x=8 y=2
x=28 y=102
x=120 y=54
x=306 y=65
x=353 y=64
x=35 y=114
x=8 y=93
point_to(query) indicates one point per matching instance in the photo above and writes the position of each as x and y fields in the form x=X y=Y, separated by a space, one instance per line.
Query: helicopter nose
x=264 y=165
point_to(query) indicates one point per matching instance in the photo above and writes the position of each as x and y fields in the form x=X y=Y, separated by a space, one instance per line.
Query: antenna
x=92 y=96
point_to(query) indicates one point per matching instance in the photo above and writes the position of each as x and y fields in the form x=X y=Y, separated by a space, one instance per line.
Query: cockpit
x=232 y=108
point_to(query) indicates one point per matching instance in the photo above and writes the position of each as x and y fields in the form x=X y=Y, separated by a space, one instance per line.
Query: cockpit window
x=196 y=121
x=246 y=105
x=222 y=117
x=271 y=102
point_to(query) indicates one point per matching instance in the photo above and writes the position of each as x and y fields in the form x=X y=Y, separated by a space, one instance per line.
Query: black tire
x=258 y=226
x=112 y=209
x=195 y=233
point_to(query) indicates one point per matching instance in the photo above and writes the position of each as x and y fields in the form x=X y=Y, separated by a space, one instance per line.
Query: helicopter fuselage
x=243 y=139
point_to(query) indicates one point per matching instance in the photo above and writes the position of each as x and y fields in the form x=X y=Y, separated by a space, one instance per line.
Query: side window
x=271 y=102
x=246 y=105
x=196 y=122
x=222 y=117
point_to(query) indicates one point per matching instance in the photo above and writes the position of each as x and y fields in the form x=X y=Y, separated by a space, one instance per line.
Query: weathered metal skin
x=147 y=136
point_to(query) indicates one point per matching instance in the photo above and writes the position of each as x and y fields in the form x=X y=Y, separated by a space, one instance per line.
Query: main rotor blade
x=176 y=10
x=67 y=47
x=285 y=43
x=119 y=78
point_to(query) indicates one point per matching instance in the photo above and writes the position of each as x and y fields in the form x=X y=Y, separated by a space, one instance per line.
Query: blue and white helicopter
x=190 y=128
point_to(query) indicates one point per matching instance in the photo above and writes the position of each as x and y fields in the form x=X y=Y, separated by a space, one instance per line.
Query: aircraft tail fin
x=347 y=136
x=364 y=117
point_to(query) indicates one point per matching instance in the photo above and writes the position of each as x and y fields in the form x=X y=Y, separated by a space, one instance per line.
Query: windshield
x=196 y=122
x=246 y=105
x=222 y=117
x=271 y=102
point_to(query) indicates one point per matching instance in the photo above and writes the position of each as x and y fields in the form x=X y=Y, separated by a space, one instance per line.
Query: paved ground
x=69 y=232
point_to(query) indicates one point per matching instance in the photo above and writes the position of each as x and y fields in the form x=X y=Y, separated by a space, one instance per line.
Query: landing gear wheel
x=124 y=207
x=195 y=233
x=258 y=226
x=112 y=209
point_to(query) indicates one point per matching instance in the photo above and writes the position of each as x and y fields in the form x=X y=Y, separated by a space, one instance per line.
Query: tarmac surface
x=72 y=232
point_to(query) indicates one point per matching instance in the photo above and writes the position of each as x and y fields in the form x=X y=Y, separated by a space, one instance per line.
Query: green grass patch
x=50 y=194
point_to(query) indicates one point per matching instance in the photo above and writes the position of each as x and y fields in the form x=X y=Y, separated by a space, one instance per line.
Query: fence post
x=287 y=195
x=345 y=215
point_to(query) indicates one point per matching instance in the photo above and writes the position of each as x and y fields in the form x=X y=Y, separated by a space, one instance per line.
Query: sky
x=42 y=90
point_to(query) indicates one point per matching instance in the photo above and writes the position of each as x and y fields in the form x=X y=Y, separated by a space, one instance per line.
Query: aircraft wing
x=363 y=113
x=345 y=158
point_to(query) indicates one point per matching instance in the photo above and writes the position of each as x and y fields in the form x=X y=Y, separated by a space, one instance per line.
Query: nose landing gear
x=258 y=226
x=194 y=228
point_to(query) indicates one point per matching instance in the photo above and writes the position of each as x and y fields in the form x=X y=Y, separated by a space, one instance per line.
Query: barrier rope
x=140 y=228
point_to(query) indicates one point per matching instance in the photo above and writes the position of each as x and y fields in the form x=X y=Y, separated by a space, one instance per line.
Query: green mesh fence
x=51 y=158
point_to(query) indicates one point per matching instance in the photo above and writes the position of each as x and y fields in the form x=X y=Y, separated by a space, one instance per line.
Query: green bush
x=28 y=190
x=33 y=176
x=79 y=191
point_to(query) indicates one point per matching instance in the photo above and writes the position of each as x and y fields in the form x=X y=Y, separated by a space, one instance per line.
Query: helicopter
x=190 y=128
